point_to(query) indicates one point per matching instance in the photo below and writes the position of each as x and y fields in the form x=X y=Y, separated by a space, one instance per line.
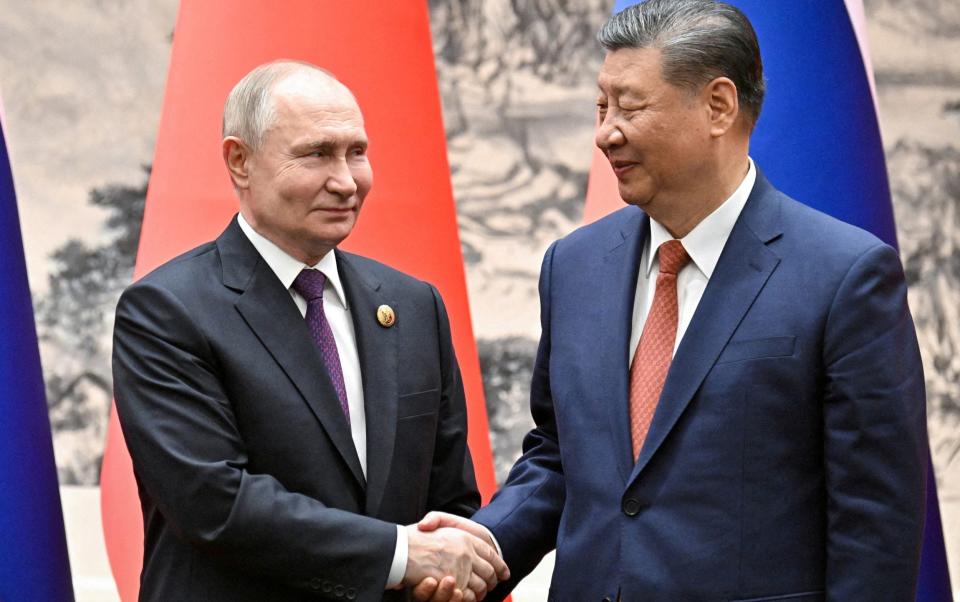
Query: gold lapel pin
x=385 y=316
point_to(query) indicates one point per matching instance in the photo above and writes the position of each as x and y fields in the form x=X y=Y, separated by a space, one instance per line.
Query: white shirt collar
x=288 y=268
x=706 y=241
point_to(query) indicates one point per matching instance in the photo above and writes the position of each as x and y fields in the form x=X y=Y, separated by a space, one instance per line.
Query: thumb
x=431 y=522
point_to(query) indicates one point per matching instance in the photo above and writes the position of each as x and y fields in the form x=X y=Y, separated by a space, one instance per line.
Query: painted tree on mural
x=74 y=324
x=507 y=69
x=517 y=80
x=926 y=185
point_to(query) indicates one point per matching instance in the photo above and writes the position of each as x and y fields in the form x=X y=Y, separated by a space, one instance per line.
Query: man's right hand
x=451 y=565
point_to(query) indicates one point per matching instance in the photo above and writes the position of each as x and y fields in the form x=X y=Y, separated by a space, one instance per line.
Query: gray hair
x=700 y=41
x=248 y=111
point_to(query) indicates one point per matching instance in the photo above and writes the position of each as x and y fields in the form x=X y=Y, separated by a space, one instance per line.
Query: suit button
x=327 y=587
x=631 y=507
x=351 y=593
x=315 y=583
x=339 y=591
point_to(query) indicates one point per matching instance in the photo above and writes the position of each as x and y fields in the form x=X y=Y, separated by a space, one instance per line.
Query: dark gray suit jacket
x=249 y=480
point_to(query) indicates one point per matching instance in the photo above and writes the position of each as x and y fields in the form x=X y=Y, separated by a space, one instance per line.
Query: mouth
x=337 y=210
x=620 y=167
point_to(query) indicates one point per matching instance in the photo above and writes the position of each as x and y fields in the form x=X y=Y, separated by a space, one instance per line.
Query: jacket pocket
x=816 y=596
x=738 y=351
x=418 y=404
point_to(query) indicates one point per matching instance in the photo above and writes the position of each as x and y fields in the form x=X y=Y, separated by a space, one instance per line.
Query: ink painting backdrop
x=83 y=85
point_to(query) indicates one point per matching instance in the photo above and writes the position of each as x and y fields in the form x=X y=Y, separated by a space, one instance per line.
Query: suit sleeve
x=190 y=459
x=453 y=484
x=874 y=435
x=525 y=514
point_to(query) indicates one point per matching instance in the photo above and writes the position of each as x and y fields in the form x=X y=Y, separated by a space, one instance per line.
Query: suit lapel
x=377 y=347
x=271 y=313
x=618 y=272
x=744 y=267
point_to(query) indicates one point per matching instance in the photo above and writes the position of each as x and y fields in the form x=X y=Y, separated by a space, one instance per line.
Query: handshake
x=451 y=559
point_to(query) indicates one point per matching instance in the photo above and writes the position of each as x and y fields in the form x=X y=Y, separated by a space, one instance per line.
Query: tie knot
x=309 y=284
x=672 y=257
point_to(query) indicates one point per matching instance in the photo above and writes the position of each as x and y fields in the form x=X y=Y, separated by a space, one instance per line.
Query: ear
x=236 y=156
x=724 y=106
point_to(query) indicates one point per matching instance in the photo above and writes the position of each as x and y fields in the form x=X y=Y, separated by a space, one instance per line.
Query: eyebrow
x=608 y=80
x=618 y=90
x=613 y=87
x=328 y=146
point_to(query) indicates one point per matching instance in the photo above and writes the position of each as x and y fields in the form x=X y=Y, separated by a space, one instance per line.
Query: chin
x=635 y=199
x=327 y=229
x=331 y=237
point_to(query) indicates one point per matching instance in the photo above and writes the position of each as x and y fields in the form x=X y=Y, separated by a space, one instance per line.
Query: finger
x=469 y=596
x=484 y=570
x=446 y=591
x=457 y=596
x=498 y=566
x=425 y=589
x=464 y=571
x=478 y=586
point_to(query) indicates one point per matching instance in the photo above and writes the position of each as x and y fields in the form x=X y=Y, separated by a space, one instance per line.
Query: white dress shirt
x=337 y=312
x=703 y=244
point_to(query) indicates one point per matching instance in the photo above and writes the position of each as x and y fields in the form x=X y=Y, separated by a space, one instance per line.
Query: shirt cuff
x=399 y=567
x=496 y=544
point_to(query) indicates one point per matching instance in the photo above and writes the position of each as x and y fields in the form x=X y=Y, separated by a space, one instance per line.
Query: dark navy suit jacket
x=786 y=459
x=249 y=480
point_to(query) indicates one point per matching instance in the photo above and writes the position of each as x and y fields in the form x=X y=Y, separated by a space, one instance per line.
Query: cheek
x=648 y=138
x=301 y=186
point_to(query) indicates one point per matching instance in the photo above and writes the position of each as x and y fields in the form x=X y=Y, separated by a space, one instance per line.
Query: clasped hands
x=451 y=559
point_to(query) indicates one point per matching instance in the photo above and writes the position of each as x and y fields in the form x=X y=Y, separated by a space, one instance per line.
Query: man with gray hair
x=728 y=393
x=290 y=408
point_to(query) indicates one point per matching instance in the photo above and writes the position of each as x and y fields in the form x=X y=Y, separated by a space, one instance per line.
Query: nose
x=608 y=134
x=341 y=180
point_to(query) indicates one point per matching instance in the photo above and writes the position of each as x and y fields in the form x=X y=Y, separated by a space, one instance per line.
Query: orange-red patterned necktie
x=655 y=349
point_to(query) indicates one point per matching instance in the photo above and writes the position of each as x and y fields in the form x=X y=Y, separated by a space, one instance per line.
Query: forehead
x=312 y=102
x=627 y=69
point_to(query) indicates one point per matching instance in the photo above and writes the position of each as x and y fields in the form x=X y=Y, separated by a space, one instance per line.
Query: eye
x=634 y=107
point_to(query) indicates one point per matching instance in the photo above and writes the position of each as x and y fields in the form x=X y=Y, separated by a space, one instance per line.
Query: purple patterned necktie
x=309 y=284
